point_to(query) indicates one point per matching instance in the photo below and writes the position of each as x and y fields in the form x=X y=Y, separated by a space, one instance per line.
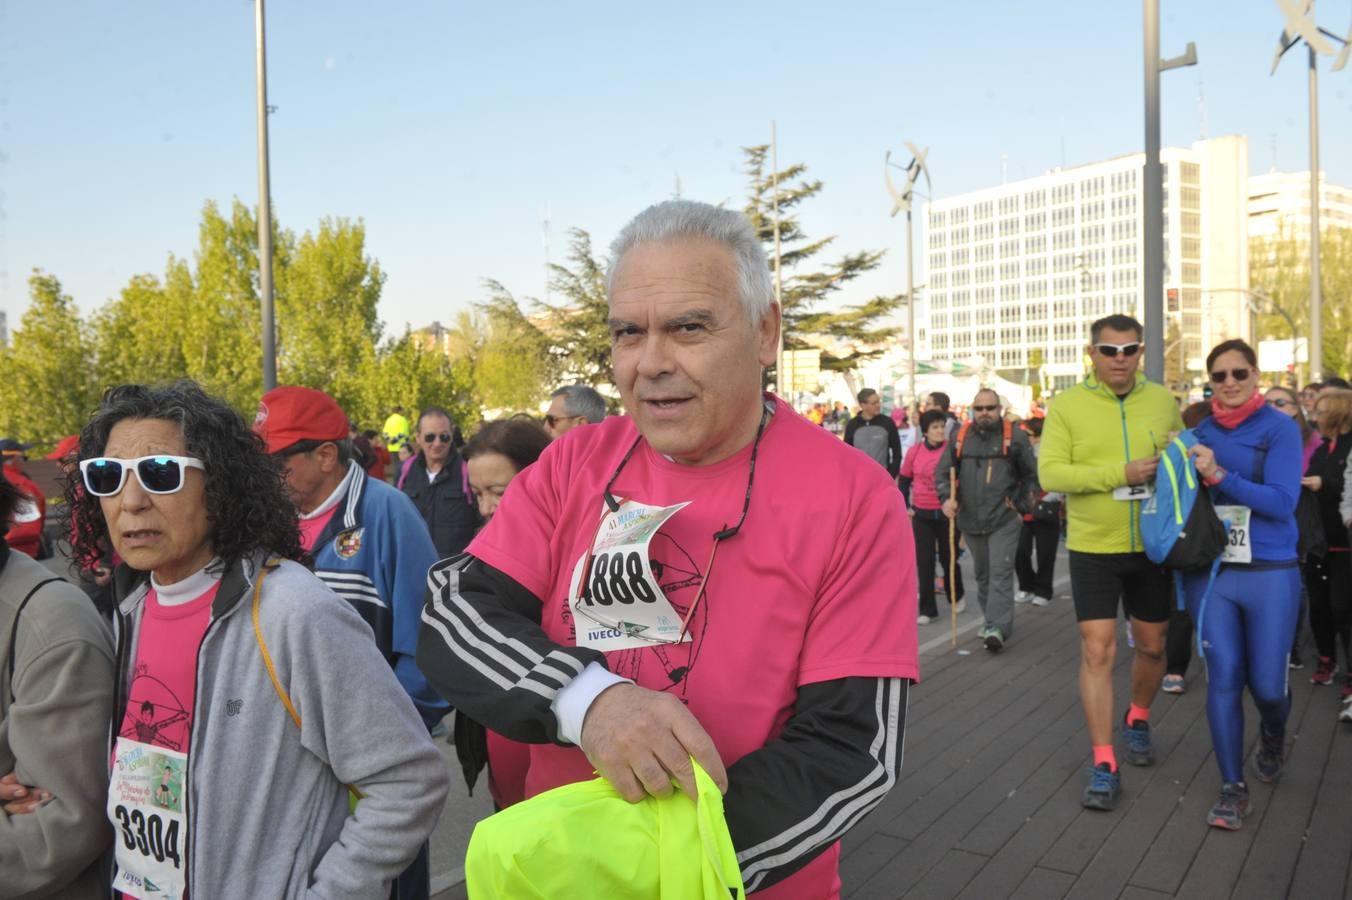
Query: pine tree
x=857 y=331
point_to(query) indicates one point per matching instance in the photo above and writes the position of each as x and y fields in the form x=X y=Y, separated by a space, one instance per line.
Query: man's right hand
x=951 y=508
x=639 y=740
x=1140 y=471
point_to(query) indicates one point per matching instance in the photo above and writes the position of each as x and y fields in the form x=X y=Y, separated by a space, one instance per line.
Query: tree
x=48 y=389
x=1280 y=267
x=578 y=329
x=138 y=335
x=514 y=362
x=857 y=331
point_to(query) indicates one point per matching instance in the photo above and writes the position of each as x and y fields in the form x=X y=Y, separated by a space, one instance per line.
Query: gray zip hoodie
x=267 y=802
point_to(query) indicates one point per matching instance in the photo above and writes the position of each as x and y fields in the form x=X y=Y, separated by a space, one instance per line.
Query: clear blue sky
x=449 y=127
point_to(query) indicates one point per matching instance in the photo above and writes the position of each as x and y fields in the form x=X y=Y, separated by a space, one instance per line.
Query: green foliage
x=860 y=328
x=1280 y=267
x=578 y=329
x=47 y=390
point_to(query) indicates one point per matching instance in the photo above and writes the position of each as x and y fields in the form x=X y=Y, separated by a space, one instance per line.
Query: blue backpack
x=1179 y=525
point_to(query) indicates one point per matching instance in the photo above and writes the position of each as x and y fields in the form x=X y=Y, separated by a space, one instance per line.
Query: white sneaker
x=923 y=620
x=1022 y=597
x=1040 y=601
x=1345 y=714
x=962 y=605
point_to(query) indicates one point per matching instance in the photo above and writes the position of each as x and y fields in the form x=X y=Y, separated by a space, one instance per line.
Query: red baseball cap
x=68 y=446
x=287 y=415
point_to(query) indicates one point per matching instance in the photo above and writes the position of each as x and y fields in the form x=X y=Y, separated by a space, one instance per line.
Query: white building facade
x=1015 y=274
x=1279 y=204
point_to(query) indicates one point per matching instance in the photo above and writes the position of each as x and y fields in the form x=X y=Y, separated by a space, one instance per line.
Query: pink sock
x=1138 y=714
x=1104 y=754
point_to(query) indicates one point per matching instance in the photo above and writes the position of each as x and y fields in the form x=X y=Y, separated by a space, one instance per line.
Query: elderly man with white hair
x=661 y=586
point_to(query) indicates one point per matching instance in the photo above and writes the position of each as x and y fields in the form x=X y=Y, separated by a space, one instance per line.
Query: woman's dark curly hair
x=246 y=499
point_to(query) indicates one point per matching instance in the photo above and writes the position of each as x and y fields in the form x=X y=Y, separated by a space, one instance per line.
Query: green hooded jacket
x=1089 y=437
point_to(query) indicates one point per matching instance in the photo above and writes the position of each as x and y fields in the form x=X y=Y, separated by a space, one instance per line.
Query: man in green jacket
x=1100 y=447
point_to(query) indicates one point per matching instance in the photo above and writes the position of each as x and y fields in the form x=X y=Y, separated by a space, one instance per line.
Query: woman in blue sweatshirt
x=1249 y=455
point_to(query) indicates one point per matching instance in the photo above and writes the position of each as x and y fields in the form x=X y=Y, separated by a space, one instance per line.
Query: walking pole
x=953 y=557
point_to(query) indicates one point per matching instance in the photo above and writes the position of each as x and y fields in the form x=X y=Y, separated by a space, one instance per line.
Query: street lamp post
x=902 y=200
x=264 y=209
x=1300 y=25
x=1152 y=226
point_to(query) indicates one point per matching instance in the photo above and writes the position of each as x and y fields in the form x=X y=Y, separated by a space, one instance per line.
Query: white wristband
x=571 y=703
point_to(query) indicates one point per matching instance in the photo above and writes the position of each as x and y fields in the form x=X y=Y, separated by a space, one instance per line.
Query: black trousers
x=1328 y=580
x=1043 y=536
x=931 y=537
x=1178 y=643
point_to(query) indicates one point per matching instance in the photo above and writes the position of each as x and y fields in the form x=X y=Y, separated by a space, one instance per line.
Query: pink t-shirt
x=818 y=585
x=311 y=529
x=164 y=679
x=919 y=465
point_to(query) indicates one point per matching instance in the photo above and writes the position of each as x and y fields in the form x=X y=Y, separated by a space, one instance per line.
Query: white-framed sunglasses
x=104 y=476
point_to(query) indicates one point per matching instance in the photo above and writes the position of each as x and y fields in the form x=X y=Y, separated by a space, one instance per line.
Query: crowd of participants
x=1006 y=492
x=285 y=611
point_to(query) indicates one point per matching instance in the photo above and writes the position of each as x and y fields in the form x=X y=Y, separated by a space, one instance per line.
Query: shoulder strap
x=1006 y=435
x=1260 y=459
x=958 y=441
x=14 y=630
x=282 y=695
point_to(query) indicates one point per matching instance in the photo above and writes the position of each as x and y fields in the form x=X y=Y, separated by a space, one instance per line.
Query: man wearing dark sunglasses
x=1100 y=447
x=997 y=483
x=571 y=406
x=438 y=484
x=663 y=586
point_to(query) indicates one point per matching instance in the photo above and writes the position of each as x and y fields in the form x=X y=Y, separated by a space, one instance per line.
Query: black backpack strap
x=1260 y=460
x=14 y=631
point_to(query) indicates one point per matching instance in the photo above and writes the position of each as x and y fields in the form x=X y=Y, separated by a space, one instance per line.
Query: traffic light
x=1171 y=297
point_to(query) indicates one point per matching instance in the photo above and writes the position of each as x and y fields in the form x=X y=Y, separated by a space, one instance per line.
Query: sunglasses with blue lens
x=104 y=476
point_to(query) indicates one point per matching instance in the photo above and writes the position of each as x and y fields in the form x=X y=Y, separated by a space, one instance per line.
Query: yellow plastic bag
x=584 y=840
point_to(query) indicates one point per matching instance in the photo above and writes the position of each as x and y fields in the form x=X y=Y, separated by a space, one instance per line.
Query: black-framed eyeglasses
x=1280 y=403
x=433 y=437
x=613 y=505
x=1237 y=374
x=104 y=476
x=1111 y=350
x=992 y=408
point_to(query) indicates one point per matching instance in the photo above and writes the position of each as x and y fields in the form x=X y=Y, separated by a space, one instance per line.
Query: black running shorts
x=1098 y=580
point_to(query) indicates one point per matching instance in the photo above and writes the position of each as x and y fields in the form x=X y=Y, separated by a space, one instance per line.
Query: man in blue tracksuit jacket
x=370 y=545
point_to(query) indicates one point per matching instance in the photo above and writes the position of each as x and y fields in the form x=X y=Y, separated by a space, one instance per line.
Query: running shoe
x=1230 y=807
x=1041 y=601
x=1103 y=787
x=1345 y=714
x=1296 y=662
x=923 y=620
x=1270 y=756
x=962 y=605
x=1173 y=684
x=992 y=638
x=1022 y=597
x=1323 y=671
x=1136 y=734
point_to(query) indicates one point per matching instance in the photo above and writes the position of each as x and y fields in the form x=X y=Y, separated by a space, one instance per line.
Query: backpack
x=1024 y=500
x=1179 y=525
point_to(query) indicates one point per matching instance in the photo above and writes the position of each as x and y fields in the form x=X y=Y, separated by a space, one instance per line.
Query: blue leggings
x=1246 y=629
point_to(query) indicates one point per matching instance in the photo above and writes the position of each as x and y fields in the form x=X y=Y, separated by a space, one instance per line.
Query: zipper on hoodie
x=188 y=857
x=1126 y=451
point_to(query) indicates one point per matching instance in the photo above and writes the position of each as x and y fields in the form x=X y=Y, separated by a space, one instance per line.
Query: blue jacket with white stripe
x=375 y=553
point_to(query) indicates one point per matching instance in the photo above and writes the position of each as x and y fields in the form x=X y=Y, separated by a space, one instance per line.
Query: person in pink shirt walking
x=927 y=515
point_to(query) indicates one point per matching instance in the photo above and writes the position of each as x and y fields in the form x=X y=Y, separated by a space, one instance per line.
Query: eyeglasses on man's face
x=433 y=437
x=1112 y=350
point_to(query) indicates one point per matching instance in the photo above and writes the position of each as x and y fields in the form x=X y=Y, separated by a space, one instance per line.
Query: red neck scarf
x=1233 y=418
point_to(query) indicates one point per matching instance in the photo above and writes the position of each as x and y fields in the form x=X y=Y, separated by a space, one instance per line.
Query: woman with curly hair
x=250 y=698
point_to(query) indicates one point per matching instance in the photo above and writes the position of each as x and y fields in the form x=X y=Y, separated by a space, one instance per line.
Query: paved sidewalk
x=988 y=801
